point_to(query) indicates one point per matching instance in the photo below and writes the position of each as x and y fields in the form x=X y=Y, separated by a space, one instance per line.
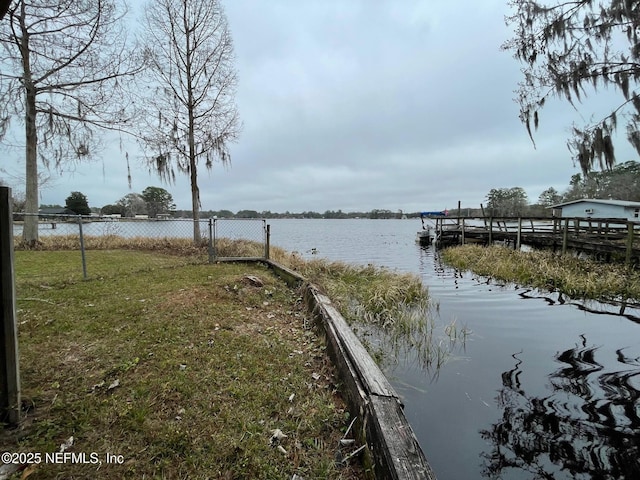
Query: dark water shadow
x=623 y=308
x=587 y=427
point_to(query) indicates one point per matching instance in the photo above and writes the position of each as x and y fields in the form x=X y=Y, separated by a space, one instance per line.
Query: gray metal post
x=211 y=253
x=215 y=233
x=84 y=259
x=9 y=359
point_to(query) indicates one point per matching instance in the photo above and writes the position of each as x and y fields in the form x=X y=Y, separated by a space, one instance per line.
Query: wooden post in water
x=490 y=230
x=462 y=225
x=484 y=218
x=629 y=243
x=565 y=235
x=9 y=362
x=516 y=245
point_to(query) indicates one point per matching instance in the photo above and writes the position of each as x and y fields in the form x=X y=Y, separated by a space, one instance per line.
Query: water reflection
x=630 y=311
x=416 y=339
x=588 y=426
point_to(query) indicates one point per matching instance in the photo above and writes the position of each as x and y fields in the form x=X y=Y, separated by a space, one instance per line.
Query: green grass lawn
x=181 y=367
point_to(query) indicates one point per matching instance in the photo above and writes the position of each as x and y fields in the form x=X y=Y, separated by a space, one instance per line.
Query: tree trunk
x=195 y=200
x=193 y=161
x=30 y=229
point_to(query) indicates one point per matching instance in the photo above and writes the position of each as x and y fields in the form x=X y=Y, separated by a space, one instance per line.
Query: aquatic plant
x=578 y=278
x=391 y=311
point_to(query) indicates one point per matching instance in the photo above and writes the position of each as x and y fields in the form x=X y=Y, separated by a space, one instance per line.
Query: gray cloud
x=365 y=104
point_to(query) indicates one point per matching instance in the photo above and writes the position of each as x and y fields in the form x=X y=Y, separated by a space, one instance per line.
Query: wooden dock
x=606 y=238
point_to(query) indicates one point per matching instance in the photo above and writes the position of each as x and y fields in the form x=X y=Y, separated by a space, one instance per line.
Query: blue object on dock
x=442 y=213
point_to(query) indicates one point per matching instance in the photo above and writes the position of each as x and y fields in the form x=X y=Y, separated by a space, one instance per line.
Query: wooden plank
x=291 y=277
x=372 y=378
x=390 y=439
x=629 y=249
x=9 y=359
x=400 y=452
x=355 y=393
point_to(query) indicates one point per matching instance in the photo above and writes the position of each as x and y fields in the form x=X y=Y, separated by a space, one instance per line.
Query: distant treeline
x=382 y=214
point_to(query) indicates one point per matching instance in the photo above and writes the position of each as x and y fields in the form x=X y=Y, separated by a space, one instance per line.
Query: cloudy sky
x=358 y=105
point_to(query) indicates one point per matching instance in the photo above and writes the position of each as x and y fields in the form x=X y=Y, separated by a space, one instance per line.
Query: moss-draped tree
x=190 y=110
x=62 y=71
x=573 y=49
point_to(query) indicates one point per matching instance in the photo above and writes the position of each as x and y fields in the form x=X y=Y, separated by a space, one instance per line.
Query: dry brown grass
x=577 y=278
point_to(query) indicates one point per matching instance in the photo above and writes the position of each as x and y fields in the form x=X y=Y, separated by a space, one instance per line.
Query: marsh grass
x=392 y=312
x=577 y=278
x=204 y=367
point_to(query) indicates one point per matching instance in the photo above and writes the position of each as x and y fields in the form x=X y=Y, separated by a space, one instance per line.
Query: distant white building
x=598 y=208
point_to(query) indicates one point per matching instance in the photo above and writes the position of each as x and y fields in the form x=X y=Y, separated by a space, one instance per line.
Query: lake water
x=541 y=388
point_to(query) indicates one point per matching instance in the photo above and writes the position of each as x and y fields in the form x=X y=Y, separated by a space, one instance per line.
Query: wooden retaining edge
x=391 y=442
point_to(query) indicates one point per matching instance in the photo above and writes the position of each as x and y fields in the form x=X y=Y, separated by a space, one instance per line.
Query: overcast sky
x=358 y=105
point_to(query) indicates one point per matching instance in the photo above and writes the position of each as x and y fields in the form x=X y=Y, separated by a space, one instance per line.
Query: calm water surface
x=543 y=388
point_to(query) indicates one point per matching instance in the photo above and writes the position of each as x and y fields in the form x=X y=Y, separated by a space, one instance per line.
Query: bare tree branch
x=65 y=66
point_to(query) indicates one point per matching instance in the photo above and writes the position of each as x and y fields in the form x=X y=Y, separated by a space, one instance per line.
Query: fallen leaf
x=276 y=436
x=28 y=471
x=114 y=384
x=67 y=444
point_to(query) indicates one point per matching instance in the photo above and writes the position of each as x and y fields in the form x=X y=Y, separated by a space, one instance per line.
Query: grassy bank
x=392 y=308
x=577 y=278
x=183 y=368
x=392 y=312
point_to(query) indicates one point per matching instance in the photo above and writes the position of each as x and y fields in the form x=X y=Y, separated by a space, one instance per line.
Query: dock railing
x=600 y=235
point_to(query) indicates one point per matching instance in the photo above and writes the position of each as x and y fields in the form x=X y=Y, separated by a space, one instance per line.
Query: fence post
x=516 y=246
x=629 y=243
x=267 y=242
x=490 y=231
x=84 y=260
x=565 y=235
x=9 y=368
x=211 y=251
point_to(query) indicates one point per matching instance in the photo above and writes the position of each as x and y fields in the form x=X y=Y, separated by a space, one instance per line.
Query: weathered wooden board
x=10 y=403
x=381 y=423
x=400 y=455
x=372 y=378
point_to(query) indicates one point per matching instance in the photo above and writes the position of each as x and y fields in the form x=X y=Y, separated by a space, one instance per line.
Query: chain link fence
x=126 y=244
x=250 y=237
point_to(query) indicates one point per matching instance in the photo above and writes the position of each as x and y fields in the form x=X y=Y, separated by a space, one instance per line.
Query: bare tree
x=573 y=48
x=63 y=66
x=191 y=113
